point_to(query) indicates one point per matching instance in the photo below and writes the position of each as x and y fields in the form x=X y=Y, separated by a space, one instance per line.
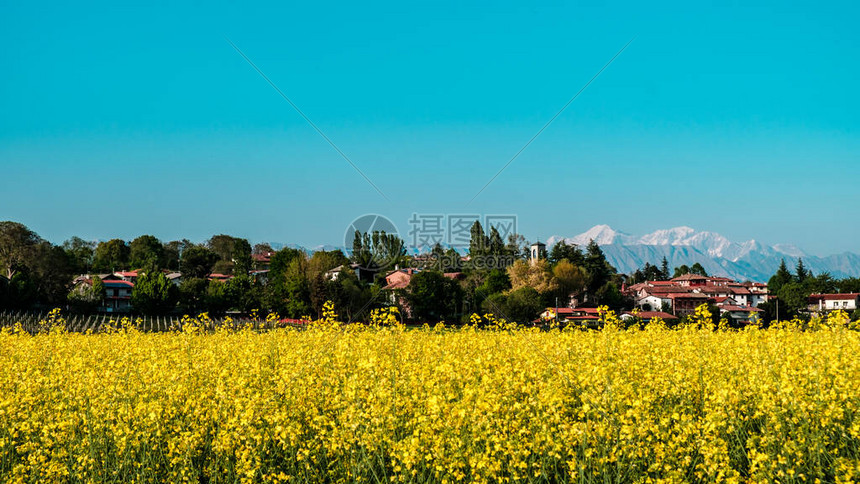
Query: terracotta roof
x=118 y=283
x=746 y=309
x=126 y=273
x=687 y=295
x=834 y=297
x=652 y=314
x=689 y=277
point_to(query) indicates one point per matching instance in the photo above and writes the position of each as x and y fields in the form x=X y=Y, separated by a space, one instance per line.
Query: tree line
x=495 y=277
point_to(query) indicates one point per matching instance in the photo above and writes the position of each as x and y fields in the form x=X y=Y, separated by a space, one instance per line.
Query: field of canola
x=386 y=404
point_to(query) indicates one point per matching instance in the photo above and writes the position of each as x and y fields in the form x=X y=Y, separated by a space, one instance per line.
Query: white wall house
x=832 y=302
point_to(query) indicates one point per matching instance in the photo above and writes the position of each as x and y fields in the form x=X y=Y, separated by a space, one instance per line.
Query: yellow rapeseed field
x=381 y=403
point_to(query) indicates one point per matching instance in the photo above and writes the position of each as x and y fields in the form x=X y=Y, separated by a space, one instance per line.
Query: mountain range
x=750 y=260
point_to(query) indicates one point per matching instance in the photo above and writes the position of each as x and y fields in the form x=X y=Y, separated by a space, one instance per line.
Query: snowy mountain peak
x=602 y=234
x=750 y=260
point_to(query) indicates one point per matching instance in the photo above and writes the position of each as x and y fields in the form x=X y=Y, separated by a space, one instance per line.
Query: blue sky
x=123 y=119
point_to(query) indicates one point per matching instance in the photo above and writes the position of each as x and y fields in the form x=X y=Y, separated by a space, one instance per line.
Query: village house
x=117 y=296
x=399 y=279
x=821 y=303
x=646 y=316
x=333 y=274
x=738 y=313
x=682 y=294
x=261 y=262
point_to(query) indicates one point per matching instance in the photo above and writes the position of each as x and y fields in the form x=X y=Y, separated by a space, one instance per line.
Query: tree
x=769 y=311
x=478 y=242
x=18 y=245
x=241 y=293
x=262 y=248
x=376 y=251
x=222 y=245
x=800 y=272
x=497 y=281
x=146 y=252
x=698 y=270
x=664 y=269
x=561 y=250
x=597 y=266
x=779 y=279
x=87 y=296
x=535 y=274
x=571 y=279
x=522 y=305
x=20 y=291
x=288 y=290
x=192 y=295
x=823 y=283
x=197 y=261
x=609 y=295
x=111 y=256
x=517 y=247
x=849 y=284
x=241 y=257
x=172 y=253
x=280 y=262
x=324 y=260
x=794 y=295
x=496 y=246
x=80 y=252
x=153 y=293
x=434 y=297
x=680 y=271
x=51 y=271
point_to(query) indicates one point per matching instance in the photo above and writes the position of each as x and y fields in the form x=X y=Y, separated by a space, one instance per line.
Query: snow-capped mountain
x=748 y=260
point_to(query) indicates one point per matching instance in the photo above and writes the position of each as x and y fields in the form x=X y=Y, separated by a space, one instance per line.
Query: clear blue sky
x=118 y=120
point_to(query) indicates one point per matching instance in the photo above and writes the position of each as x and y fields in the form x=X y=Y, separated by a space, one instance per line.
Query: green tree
x=241 y=257
x=241 y=294
x=80 y=252
x=794 y=295
x=20 y=291
x=18 y=246
x=599 y=269
x=664 y=269
x=111 y=256
x=192 y=295
x=434 y=297
x=153 y=293
x=521 y=305
x=800 y=272
x=497 y=281
x=146 y=252
x=197 y=261
x=779 y=279
x=611 y=296
x=680 y=271
x=823 y=283
x=172 y=253
x=52 y=272
x=698 y=270
x=263 y=248
x=478 y=242
x=563 y=250
x=87 y=297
